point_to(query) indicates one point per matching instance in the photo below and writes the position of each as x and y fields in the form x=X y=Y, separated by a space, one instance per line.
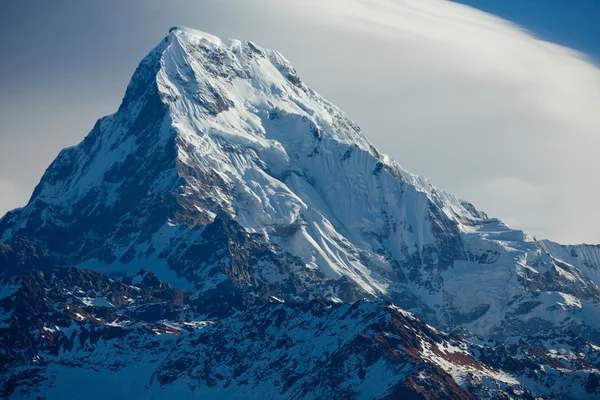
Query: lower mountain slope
x=68 y=334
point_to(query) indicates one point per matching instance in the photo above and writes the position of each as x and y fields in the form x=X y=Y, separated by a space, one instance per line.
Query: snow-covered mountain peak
x=184 y=30
x=203 y=76
x=250 y=97
x=222 y=171
x=262 y=207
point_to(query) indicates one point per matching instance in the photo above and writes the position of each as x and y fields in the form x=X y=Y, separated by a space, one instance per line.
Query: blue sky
x=480 y=108
x=571 y=23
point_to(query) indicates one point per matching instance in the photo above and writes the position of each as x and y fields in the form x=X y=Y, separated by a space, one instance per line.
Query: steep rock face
x=221 y=172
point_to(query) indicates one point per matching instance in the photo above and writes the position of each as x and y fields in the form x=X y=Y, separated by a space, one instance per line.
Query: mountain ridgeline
x=229 y=232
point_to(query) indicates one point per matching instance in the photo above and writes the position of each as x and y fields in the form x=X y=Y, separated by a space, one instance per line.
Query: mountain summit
x=224 y=175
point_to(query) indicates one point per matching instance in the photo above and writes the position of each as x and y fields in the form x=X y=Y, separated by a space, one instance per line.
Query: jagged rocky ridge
x=71 y=332
x=223 y=174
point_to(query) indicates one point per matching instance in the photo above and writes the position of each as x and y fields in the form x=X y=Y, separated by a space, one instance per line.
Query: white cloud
x=478 y=106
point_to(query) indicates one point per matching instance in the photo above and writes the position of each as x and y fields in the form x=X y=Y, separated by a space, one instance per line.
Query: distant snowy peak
x=585 y=257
